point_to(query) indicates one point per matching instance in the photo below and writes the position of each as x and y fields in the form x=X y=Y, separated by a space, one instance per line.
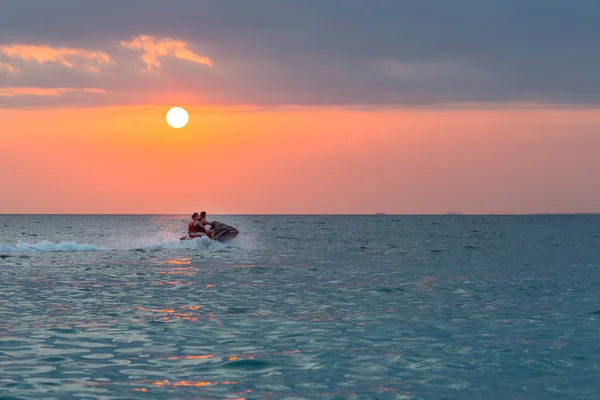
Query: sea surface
x=334 y=307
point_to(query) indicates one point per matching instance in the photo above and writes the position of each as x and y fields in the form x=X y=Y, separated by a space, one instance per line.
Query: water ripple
x=427 y=311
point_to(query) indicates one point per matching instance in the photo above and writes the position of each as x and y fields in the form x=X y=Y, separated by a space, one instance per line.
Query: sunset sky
x=395 y=106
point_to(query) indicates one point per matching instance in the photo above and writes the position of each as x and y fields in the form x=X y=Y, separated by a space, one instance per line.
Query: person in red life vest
x=195 y=227
x=204 y=222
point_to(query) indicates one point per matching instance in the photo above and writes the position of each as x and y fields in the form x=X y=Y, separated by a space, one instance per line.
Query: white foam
x=46 y=245
x=128 y=242
x=199 y=243
x=158 y=241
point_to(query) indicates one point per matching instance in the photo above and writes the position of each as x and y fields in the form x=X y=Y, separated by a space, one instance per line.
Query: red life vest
x=195 y=229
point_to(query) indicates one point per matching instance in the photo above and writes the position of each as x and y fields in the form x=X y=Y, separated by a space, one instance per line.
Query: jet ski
x=222 y=233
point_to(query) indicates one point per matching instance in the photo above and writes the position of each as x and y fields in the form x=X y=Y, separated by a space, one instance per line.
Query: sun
x=177 y=117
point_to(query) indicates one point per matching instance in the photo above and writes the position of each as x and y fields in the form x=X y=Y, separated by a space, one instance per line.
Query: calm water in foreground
x=373 y=307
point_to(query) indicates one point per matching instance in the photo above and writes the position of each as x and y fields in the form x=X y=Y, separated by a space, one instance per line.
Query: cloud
x=68 y=57
x=156 y=48
x=57 y=75
x=43 y=98
x=7 y=67
x=33 y=91
x=353 y=53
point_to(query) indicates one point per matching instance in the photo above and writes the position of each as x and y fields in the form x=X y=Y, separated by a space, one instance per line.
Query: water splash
x=158 y=241
x=47 y=245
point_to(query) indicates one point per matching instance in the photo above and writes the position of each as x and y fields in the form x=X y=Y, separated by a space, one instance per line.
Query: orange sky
x=82 y=130
x=299 y=160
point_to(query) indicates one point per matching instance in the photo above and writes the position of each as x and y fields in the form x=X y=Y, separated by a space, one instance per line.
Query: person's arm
x=205 y=222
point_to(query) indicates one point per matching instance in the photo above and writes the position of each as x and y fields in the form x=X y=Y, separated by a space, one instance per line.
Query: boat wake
x=160 y=241
x=47 y=245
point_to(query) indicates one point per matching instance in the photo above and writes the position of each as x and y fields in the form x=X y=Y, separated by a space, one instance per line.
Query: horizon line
x=333 y=214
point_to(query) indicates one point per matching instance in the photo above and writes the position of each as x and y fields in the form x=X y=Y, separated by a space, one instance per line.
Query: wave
x=47 y=245
x=159 y=241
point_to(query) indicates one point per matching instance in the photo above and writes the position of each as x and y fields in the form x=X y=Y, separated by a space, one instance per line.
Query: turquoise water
x=373 y=307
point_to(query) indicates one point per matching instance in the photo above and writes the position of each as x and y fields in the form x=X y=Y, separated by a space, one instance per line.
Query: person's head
x=195 y=215
x=203 y=214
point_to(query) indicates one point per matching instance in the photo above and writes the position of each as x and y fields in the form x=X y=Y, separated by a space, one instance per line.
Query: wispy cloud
x=33 y=91
x=156 y=48
x=58 y=75
x=8 y=67
x=68 y=57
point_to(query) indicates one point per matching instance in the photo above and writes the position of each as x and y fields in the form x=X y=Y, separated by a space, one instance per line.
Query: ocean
x=334 y=307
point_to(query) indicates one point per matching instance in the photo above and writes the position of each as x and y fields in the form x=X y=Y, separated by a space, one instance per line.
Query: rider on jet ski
x=197 y=224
